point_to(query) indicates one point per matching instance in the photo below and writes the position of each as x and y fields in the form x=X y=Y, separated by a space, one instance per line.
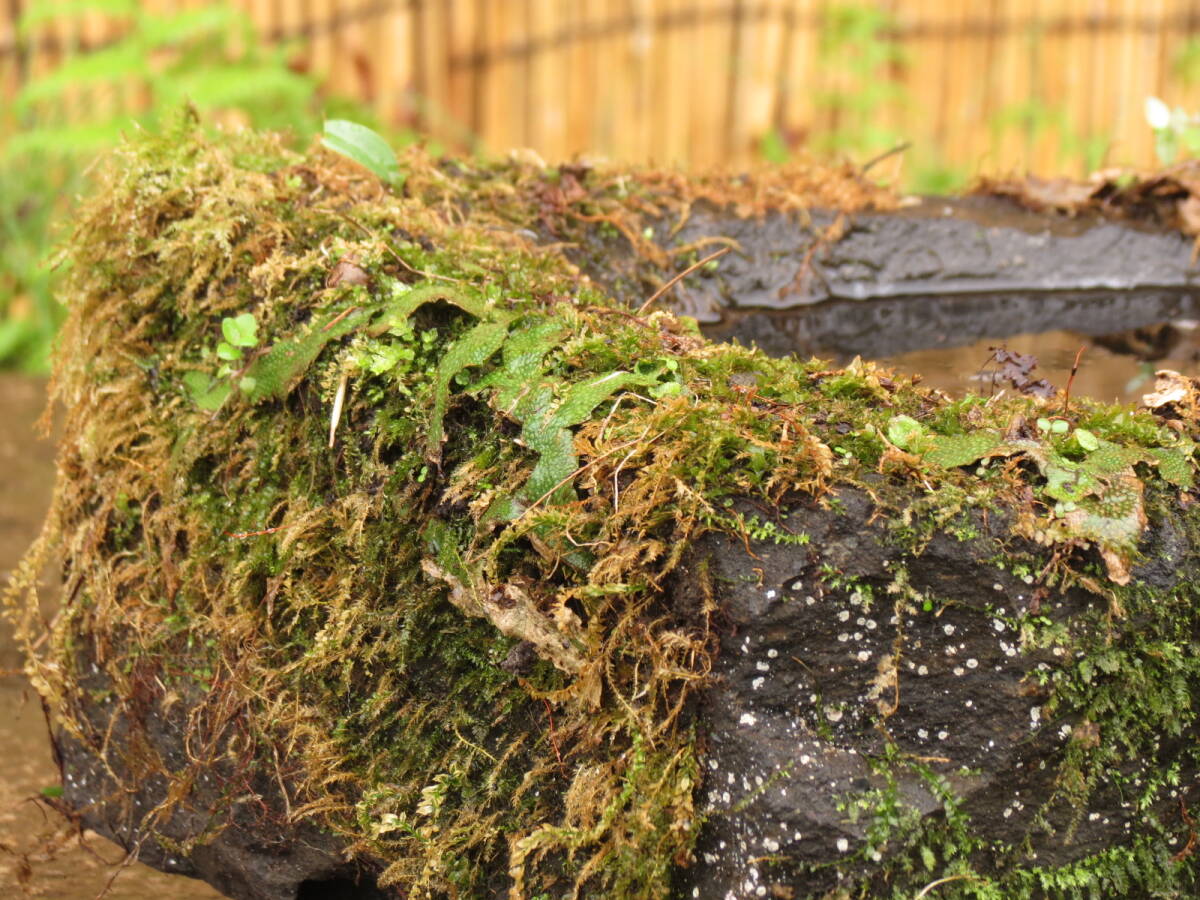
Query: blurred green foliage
x=209 y=57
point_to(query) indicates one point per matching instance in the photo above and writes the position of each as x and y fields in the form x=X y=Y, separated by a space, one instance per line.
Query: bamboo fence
x=985 y=86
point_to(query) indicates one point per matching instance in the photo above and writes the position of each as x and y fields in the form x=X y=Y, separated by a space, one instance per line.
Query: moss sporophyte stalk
x=517 y=460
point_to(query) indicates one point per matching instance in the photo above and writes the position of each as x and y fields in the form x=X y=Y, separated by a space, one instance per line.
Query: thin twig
x=686 y=272
x=875 y=160
x=554 y=740
x=339 y=401
x=345 y=312
x=1071 y=380
x=929 y=887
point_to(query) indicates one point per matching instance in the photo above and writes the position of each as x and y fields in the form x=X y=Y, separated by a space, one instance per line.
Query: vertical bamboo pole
x=608 y=83
x=710 y=109
x=548 y=89
x=1102 y=73
x=1015 y=82
x=502 y=34
x=1128 y=121
x=316 y=19
x=1074 y=61
x=672 y=82
x=797 y=111
x=461 y=74
x=1048 y=59
x=758 y=57
x=393 y=40
x=641 y=102
x=971 y=142
x=431 y=50
x=580 y=96
x=1148 y=56
x=922 y=121
x=963 y=80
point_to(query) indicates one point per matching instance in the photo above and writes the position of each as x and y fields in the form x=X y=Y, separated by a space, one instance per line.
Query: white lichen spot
x=864 y=655
x=771 y=845
x=942 y=735
x=923 y=734
x=972 y=663
x=747 y=719
x=843 y=845
x=762 y=666
x=833 y=714
x=948 y=630
x=772 y=653
x=1035 y=716
x=843 y=615
x=843 y=637
x=757 y=683
x=922 y=670
x=960 y=671
x=771 y=595
x=998 y=625
x=871 y=625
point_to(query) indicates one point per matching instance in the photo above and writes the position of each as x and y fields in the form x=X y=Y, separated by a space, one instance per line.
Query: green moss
x=516 y=462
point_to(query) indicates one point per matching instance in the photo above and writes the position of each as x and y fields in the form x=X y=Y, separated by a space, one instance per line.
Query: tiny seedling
x=239 y=332
x=365 y=147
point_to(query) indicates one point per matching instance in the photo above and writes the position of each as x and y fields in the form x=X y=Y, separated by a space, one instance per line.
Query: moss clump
x=447 y=453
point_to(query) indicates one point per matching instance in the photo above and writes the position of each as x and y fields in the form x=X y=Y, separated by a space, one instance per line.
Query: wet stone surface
x=821 y=664
x=937 y=247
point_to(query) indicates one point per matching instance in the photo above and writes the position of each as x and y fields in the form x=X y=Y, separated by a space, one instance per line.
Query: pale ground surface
x=39 y=857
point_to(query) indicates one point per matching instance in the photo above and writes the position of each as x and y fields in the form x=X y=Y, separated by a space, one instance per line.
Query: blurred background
x=996 y=86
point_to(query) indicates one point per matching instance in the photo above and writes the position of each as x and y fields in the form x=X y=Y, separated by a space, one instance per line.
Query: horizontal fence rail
x=1054 y=86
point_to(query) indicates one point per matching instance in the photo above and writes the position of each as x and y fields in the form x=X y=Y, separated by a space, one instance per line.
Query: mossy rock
x=419 y=583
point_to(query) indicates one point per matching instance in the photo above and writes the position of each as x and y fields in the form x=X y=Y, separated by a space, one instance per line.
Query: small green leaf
x=52 y=790
x=1043 y=424
x=1059 y=426
x=904 y=431
x=206 y=392
x=365 y=147
x=228 y=352
x=241 y=331
x=1086 y=439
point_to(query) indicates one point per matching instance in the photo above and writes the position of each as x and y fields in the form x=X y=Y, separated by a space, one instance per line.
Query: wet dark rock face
x=823 y=659
x=936 y=247
x=942 y=273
